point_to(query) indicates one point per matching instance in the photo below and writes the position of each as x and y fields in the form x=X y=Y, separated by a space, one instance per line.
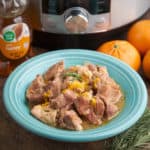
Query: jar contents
x=14 y=35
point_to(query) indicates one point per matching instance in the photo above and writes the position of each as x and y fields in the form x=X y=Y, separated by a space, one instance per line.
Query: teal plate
x=130 y=81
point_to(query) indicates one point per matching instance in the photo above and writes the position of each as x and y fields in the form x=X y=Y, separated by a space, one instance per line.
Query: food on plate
x=75 y=98
x=123 y=50
x=139 y=35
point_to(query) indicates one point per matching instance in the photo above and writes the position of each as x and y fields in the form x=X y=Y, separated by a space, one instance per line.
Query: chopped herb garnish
x=73 y=74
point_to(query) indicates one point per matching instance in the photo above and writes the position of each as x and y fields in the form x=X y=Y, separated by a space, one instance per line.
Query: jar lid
x=12 y=8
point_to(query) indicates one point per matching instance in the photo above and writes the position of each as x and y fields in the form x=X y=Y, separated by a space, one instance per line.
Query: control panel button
x=76 y=20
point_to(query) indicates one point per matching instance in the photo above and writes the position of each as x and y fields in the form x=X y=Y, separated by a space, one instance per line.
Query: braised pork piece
x=76 y=98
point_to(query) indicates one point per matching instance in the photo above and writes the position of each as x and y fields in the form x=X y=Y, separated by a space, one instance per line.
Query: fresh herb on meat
x=73 y=74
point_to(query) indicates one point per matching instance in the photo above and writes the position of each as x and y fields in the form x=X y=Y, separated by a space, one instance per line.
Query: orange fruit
x=139 y=35
x=122 y=50
x=146 y=64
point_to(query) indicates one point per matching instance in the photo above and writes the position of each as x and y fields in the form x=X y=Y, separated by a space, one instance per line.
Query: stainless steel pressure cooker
x=68 y=23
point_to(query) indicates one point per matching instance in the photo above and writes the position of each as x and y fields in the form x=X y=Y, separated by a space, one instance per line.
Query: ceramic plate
x=130 y=82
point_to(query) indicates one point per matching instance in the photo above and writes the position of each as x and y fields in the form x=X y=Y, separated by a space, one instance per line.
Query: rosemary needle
x=135 y=138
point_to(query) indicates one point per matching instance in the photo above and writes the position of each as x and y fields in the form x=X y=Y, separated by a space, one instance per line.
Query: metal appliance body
x=85 y=16
x=65 y=22
x=75 y=16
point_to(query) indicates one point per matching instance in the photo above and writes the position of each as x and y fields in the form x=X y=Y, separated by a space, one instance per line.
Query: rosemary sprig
x=73 y=74
x=135 y=138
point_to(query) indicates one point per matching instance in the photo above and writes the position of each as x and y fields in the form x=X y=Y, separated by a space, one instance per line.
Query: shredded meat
x=35 y=91
x=54 y=71
x=70 y=120
x=67 y=98
x=92 y=113
x=45 y=114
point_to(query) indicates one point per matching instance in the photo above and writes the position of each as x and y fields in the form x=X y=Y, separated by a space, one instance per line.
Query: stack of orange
x=135 y=51
x=139 y=36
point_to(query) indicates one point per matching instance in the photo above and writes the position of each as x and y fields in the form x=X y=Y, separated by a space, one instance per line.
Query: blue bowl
x=130 y=81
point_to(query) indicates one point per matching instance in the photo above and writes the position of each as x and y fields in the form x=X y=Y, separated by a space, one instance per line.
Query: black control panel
x=58 y=7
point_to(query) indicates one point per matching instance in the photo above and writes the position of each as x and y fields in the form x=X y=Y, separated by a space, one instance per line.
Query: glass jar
x=15 y=35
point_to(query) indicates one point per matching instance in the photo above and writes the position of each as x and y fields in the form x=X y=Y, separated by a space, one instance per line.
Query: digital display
x=58 y=7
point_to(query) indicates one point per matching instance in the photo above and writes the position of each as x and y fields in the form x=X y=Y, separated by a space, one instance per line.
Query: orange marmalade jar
x=14 y=35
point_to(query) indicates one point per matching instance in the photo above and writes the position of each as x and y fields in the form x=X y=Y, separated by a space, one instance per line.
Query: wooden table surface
x=14 y=137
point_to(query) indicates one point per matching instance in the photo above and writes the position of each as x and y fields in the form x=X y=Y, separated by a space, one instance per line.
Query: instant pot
x=81 y=23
